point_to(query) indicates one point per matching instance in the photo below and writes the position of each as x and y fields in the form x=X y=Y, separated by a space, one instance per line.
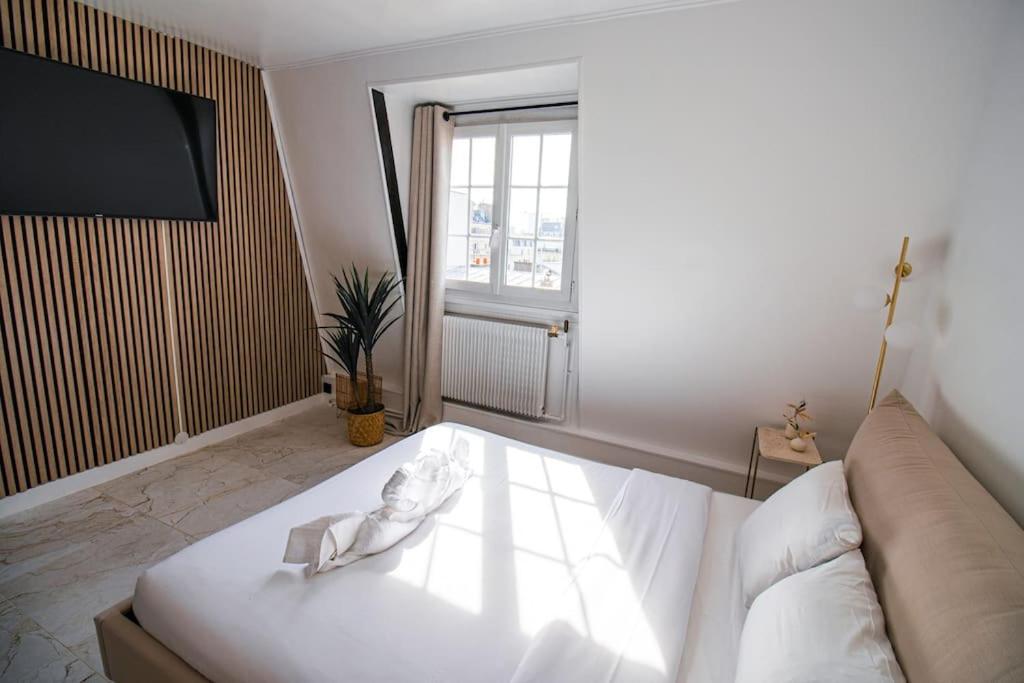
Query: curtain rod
x=448 y=114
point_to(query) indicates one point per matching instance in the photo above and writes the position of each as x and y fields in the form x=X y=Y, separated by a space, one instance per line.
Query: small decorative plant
x=796 y=412
x=367 y=313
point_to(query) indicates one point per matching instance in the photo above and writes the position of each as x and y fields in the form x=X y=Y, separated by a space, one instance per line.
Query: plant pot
x=366 y=429
x=343 y=399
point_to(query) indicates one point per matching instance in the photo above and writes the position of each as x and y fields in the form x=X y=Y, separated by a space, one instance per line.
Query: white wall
x=969 y=378
x=744 y=167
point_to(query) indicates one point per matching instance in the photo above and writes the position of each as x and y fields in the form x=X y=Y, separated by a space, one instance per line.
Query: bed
x=468 y=594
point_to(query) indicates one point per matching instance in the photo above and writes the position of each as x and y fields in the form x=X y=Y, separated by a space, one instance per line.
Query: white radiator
x=496 y=365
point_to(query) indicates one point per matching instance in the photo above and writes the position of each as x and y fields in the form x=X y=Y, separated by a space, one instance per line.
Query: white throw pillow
x=823 y=624
x=808 y=521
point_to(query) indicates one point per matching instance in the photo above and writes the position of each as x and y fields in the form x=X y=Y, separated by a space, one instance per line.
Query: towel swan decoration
x=414 y=491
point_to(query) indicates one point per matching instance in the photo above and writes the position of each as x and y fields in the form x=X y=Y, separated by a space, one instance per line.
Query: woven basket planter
x=343 y=390
x=366 y=430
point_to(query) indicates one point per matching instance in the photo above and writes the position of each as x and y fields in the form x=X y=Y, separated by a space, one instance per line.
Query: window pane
x=483 y=161
x=522 y=212
x=534 y=168
x=455 y=262
x=549 y=265
x=481 y=202
x=525 y=159
x=458 y=211
x=460 y=161
x=552 y=213
x=520 y=263
x=555 y=167
x=479 y=259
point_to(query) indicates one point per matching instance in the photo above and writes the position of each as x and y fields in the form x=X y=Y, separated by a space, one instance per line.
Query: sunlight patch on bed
x=569 y=568
x=442 y=438
x=534 y=525
x=467 y=512
x=540 y=584
x=414 y=565
x=439 y=437
x=477 y=450
x=448 y=562
x=454 y=574
x=580 y=524
x=615 y=614
x=568 y=479
x=447 y=565
x=526 y=469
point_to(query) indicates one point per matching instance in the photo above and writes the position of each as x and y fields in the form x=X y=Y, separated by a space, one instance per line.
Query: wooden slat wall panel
x=94 y=324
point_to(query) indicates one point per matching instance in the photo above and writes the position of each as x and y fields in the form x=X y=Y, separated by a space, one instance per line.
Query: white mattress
x=459 y=599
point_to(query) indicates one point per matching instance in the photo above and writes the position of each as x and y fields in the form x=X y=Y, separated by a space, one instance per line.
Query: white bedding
x=718 y=613
x=624 y=618
x=459 y=599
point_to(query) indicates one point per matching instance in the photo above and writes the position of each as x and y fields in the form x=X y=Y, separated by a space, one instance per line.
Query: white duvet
x=625 y=615
x=466 y=596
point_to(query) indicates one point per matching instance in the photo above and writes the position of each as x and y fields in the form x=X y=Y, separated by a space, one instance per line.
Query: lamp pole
x=903 y=269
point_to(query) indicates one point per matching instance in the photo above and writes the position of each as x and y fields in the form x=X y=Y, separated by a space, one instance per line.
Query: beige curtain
x=424 y=284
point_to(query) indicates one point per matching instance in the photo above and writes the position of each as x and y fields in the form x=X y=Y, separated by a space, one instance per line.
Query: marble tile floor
x=63 y=562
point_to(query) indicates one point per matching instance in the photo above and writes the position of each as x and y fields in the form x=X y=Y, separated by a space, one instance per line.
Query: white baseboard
x=718 y=474
x=53 y=490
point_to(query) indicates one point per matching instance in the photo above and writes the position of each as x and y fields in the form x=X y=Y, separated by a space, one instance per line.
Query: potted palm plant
x=343 y=347
x=366 y=315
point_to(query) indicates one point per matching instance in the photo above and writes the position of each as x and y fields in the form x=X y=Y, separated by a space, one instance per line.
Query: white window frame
x=496 y=292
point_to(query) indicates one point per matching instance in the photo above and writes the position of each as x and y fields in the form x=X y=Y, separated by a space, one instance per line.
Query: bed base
x=130 y=654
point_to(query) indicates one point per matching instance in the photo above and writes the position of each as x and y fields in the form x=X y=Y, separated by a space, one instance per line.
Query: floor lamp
x=903 y=270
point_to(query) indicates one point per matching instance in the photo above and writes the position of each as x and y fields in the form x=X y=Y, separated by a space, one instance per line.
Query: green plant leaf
x=368 y=308
x=343 y=347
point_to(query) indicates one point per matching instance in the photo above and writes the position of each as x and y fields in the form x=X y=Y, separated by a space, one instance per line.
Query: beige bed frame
x=946 y=559
x=131 y=654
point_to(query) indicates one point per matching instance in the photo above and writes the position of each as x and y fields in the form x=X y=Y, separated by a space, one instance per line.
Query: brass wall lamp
x=898 y=335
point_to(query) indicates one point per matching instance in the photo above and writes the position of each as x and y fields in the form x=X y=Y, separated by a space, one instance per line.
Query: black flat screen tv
x=76 y=142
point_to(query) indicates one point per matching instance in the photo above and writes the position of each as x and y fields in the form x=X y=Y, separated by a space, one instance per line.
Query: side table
x=772 y=444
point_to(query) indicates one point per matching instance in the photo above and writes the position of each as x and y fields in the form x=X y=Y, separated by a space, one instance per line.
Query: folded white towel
x=414 y=491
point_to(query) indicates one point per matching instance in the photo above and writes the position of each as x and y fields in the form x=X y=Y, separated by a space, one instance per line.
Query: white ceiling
x=535 y=83
x=279 y=33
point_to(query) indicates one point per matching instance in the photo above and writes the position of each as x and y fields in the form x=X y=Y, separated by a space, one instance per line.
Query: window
x=512 y=213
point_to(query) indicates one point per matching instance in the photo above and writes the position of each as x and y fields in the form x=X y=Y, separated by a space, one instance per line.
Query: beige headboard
x=946 y=559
